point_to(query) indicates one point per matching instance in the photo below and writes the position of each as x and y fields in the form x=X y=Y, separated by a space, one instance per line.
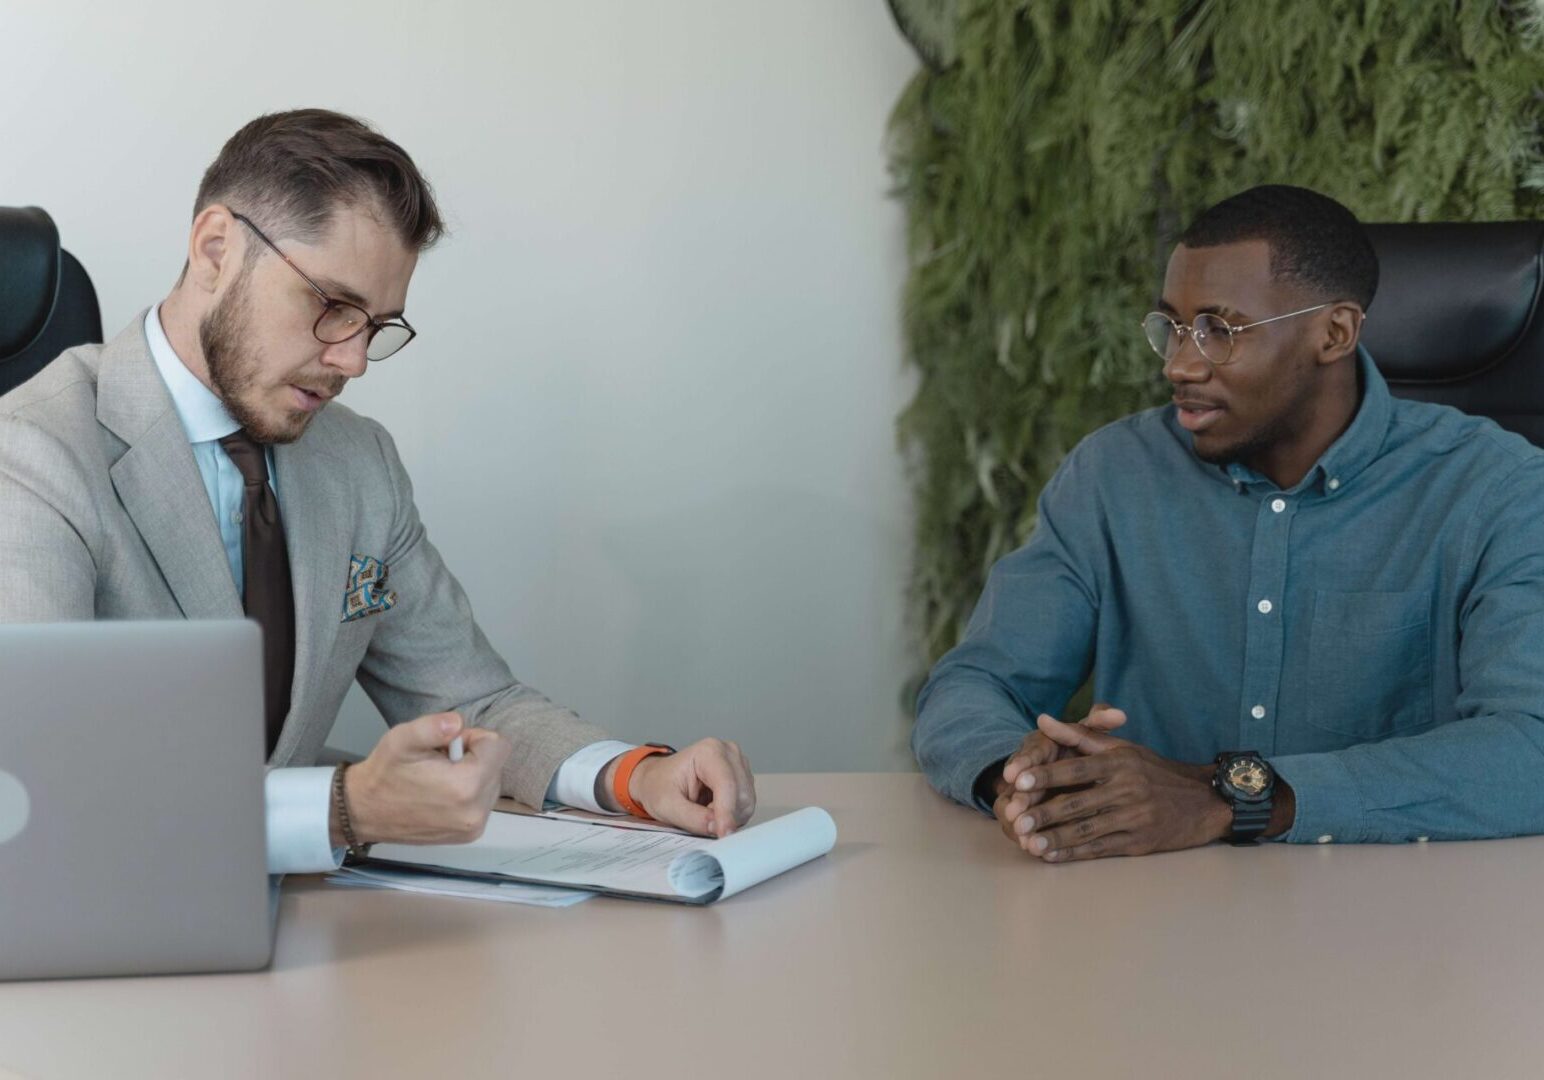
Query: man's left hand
x=1138 y=802
x=706 y=788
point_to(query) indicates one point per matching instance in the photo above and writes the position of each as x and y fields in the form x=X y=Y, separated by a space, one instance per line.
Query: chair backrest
x=1456 y=319
x=47 y=303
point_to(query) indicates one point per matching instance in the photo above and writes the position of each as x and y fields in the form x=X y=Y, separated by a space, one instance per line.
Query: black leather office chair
x=47 y=303
x=1456 y=319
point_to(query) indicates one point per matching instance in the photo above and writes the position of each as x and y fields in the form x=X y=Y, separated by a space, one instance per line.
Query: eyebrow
x=1228 y=313
x=334 y=287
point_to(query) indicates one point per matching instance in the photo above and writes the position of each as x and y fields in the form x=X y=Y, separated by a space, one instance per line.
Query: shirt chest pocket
x=1370 y=673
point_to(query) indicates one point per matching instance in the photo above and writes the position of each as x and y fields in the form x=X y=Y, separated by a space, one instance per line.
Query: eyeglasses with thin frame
x=340 y=320
x=1212 y=334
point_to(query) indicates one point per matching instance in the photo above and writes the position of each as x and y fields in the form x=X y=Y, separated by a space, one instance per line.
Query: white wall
x=650 y=411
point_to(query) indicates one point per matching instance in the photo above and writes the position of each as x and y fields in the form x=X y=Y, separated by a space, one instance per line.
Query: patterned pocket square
x=366 y=593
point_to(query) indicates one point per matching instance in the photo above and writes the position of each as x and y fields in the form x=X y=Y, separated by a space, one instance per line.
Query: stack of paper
x=613 y=857
x=508 y=892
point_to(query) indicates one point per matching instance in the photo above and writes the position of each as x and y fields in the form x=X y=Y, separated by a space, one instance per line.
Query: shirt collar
x=1357 y=447
x=1360 y=444
x=203 y=415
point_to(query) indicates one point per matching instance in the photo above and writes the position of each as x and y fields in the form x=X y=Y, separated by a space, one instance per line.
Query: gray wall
x=650 y=411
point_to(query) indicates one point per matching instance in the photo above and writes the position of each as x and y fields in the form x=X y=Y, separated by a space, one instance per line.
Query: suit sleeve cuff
x=299 y=817
x=574 y=782
x=1329 y=803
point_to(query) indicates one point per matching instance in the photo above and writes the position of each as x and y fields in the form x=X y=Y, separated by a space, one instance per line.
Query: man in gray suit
x=196 y=467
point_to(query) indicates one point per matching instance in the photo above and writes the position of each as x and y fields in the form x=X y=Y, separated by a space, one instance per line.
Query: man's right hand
x=1038 y=749
x=409 y=792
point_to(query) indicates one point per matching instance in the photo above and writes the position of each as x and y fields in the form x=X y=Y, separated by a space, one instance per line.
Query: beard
x=1301 y=394
x=234 y=370
x=1251 y=445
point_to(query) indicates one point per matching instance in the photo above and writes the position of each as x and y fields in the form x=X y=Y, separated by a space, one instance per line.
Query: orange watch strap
x=624 y=775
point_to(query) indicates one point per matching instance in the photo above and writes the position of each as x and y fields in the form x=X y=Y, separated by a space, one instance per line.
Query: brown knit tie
x=270 y=596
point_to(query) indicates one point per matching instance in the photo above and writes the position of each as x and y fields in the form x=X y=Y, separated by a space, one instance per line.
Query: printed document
x=592 y=854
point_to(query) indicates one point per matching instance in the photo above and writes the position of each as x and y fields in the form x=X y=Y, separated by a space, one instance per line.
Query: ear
x=215 y=248
x=1343 y=331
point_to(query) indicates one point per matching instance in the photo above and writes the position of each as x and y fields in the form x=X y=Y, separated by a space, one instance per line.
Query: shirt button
x=1258 y=712
x=236 y=518
x=1278 y=505
x=1326 y=838
x=1334 y=484
x=1265 y=607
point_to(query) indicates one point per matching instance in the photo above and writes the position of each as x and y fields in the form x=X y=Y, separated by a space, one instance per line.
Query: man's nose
x=348 y=357
x=1186 y=364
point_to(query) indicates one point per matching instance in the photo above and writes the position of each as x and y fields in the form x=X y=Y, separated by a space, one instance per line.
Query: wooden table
x=923 y=946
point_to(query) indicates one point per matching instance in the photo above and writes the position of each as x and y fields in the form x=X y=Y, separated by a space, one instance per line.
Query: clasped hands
x=408 y=791
x=1074 y=791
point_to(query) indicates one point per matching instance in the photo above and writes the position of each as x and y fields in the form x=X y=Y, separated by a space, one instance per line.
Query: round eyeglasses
x=340 y=320
x=1212 y=334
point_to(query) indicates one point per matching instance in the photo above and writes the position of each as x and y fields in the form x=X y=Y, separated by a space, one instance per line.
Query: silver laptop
x=132 y=839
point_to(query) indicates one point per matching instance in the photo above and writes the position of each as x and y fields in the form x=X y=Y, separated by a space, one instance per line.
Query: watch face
x=1248 y=777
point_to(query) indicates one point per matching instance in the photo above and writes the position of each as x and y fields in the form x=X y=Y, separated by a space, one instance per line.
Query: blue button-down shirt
x=1377 y=630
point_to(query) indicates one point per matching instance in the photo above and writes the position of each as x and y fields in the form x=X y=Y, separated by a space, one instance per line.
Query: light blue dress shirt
x=1377 y=630
x=298 y=799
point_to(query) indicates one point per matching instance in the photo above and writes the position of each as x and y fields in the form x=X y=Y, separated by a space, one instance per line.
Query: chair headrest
x=1453 y=299
x=29 y=275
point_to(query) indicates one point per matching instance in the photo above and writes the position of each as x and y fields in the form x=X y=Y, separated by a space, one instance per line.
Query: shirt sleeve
x=574 y=782
x=1475 y=776
x=1027 y=648
x=299 y=821
x=299 y=807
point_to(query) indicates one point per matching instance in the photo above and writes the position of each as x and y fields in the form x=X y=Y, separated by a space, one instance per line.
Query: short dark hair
x=290 y=171
x=1315 y=242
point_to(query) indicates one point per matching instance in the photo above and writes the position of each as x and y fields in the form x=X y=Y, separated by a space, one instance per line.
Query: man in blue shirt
x=1316 y=611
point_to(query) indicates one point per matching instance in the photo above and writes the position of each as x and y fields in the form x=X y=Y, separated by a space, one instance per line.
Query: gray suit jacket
x=103 y=515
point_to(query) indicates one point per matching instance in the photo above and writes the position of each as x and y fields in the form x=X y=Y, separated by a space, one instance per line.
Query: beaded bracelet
x=340 y=806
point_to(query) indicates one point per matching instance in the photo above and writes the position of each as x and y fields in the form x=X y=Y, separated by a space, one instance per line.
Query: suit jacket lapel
x=158 y=480
x=318 y=506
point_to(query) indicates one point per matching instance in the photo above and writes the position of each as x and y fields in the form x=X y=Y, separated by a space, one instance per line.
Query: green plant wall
x=1052 y=149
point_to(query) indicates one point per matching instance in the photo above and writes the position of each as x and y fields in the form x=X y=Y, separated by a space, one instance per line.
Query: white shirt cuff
x=299 y=820
x=574 y=784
